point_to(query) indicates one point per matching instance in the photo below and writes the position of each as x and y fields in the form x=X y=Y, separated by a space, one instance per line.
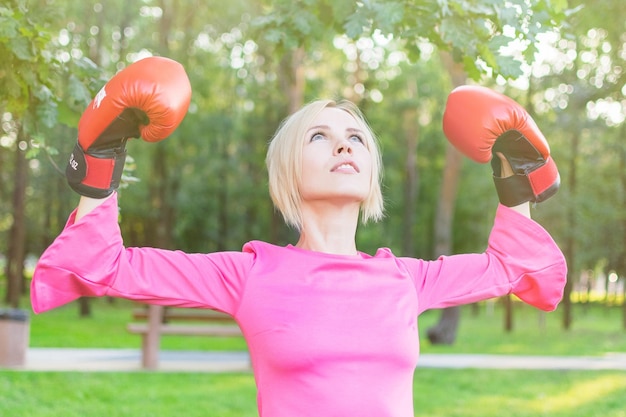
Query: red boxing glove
x=147 y=99
x=480 y=122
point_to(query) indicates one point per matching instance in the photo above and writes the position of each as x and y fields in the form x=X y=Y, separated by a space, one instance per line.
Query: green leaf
x=52 y=151
x=498 y=42
x=508 y=67
x=77 y=93
x=387 y=15
x=341 y=9
x=471 y=68
x=32 y=153
x=509 y=16
x=21 y=48
x=413 y=51
x=355 y=25
x=67 y=115
x=8 y=28
x=443 y=5
x=43 y=93
x=487 y=55
x=47 y=113
x=274 y=36
x=302 y=21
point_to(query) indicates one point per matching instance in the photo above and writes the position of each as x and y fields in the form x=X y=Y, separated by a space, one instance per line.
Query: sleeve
x=521 y=259
x=88 y=259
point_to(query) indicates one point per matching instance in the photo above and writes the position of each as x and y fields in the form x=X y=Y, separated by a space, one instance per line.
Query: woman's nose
x=343 y=146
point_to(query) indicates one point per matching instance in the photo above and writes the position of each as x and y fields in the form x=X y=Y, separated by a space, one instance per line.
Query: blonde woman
x=331 y=331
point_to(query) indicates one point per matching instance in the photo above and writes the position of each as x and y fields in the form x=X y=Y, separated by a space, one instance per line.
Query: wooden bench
x=159 y=321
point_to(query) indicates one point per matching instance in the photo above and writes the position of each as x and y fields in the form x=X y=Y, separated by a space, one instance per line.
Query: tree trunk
x=444 y=332
x=161 y=199
x=624 y=309
x=411 y=179
x=508 y=313
x=17 y=233
x=4 y=155
x=294 y=81
x=221 y=196
x=84 y=307
x=292 y=86
x=569 y=249
x=622 y=266
x=161 y=190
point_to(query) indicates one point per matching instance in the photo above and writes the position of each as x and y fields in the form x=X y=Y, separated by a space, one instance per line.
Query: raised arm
x=86 y=205
x=521 y=258
x=147 y=99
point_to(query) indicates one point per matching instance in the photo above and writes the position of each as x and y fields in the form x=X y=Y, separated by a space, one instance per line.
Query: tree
x=29 y=102
x=444 y=332
x=473 y=35
x=250 y=62
x=585 y=81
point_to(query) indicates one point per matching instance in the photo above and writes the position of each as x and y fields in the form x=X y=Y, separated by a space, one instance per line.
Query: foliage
x=39 y=90
x=204 y=188
x=475 y=32
x=23 y=39
x=580 y=98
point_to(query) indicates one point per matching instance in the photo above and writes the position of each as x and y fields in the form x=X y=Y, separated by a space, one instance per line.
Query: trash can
x=14 y=334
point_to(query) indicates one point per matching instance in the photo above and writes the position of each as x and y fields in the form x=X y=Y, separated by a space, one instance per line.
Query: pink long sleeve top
x=328 y=335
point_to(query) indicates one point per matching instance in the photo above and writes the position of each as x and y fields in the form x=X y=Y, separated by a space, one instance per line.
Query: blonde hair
x=284 y=162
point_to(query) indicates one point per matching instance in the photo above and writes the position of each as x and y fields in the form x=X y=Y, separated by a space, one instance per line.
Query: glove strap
x=545 y=180
x=514 y=190
x=95 y=176
x=535 y=186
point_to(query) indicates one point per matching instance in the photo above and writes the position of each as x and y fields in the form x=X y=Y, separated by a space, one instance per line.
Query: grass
x=596 y=330
x=106 y=328
x=437 y=392
x=59 y=394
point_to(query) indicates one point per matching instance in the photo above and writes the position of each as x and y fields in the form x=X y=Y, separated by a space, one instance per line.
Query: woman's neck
x=329 y=229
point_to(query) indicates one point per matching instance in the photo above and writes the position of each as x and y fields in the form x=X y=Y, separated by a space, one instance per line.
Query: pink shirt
x=329 y=335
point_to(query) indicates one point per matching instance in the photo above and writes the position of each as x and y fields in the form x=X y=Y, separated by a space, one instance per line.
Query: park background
x=251 y=63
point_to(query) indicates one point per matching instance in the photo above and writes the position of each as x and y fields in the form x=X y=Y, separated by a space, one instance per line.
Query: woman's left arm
x=521 y=259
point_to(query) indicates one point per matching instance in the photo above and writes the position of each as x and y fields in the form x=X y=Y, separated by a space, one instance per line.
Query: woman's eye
x=317 y=136
x=356 y=138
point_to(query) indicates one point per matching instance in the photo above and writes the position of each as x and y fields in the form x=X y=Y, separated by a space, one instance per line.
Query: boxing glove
x=480 y=122
x=147 y=99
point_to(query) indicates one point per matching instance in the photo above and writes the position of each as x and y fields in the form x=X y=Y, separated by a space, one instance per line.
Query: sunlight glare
x=582 y=393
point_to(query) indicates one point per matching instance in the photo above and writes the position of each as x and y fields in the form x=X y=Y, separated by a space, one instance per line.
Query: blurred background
x=252 y=62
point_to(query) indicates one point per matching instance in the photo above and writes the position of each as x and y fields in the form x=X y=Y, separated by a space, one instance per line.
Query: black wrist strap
x=514 y=190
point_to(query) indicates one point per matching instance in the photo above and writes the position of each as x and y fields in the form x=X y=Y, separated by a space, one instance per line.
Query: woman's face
x=336 y=163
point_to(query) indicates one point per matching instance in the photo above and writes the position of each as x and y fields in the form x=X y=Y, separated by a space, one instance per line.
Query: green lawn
x=438 y=392
x=596 y=330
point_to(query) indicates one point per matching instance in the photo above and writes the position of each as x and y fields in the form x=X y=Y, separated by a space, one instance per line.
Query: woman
x=331 y=331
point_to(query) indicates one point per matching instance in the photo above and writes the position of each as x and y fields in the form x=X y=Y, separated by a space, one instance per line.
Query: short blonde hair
x=284 y=162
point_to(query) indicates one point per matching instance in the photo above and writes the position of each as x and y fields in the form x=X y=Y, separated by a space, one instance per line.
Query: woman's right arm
x=87 y=204
x=89 y=259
